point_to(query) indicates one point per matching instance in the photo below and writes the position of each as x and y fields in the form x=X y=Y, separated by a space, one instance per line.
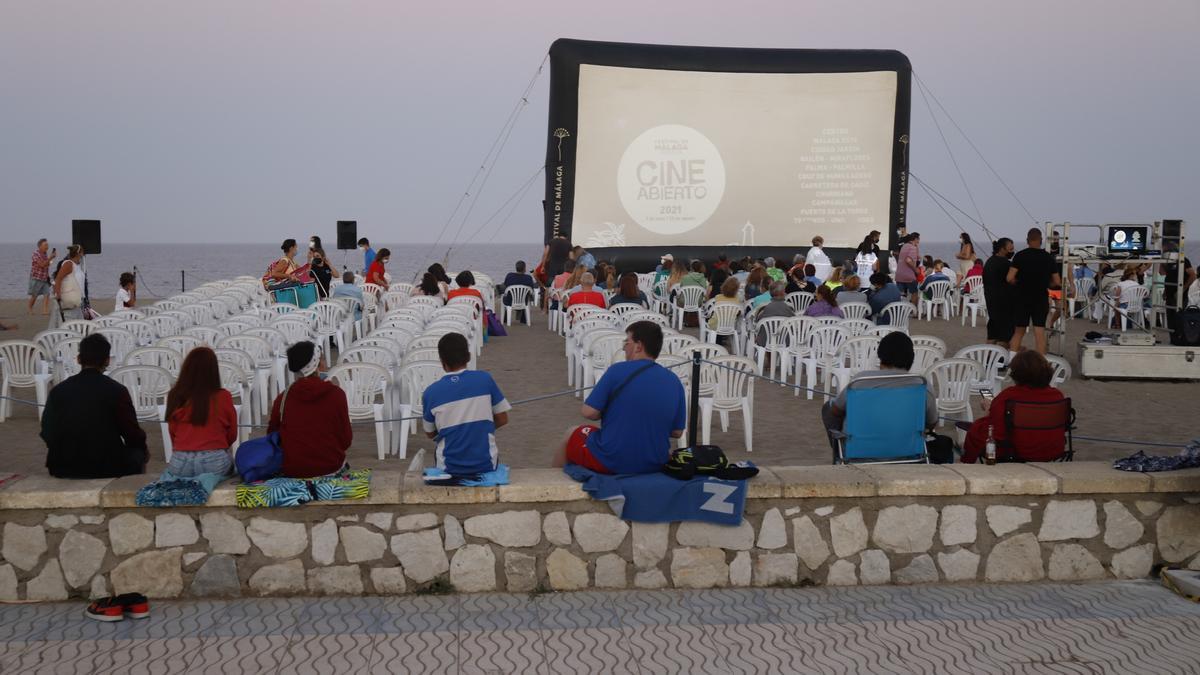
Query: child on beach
x=126 y=292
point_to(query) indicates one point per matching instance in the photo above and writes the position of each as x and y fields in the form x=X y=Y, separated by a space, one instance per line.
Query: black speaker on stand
x=347 y=235
x=86 y=233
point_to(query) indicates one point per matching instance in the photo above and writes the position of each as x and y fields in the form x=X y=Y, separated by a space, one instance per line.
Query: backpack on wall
x=1187 y=327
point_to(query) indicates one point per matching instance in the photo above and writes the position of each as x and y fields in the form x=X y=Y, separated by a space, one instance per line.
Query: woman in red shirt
x=1031 y=374
x=201 y=418
x=465 y=281
x=376 y=271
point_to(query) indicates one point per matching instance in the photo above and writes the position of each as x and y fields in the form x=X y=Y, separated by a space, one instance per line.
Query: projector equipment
x=86 y=233
x=347 y=235
x=1134 y=339
x=1127 y=240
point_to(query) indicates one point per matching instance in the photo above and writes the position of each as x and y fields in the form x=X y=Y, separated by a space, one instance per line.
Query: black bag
x=1187 y=327
x=706 y=460
x=940 y=448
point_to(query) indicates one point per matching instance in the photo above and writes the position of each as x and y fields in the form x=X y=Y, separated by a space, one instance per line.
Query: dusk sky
x=242 y=121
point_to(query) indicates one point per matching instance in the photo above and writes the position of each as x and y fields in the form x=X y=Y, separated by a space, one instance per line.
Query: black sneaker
x=105 y=609
x=134 y=605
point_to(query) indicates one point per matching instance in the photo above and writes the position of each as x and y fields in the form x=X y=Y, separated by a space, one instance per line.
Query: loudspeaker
x=86 y=233
x=347 y=235
x=1171 y=229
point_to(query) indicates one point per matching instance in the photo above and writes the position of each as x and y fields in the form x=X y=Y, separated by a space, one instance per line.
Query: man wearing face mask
x=997 y=293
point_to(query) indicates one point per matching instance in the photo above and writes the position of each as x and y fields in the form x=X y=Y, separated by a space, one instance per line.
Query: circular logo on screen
x=1119 y=236
x=671 y=179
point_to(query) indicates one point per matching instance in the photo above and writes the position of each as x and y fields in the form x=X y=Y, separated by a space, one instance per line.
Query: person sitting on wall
x=312 y=418
x=462 y=412
x=641 y=408
x=896 y=355
x=89 y=424
x=1031 y=374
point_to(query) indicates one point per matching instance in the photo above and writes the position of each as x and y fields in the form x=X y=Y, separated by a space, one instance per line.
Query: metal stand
x=694 y=413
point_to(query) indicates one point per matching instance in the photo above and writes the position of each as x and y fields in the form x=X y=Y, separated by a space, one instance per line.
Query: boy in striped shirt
x=463 y=411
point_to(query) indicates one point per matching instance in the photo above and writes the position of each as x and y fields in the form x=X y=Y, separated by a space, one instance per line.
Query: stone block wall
x=820 y=526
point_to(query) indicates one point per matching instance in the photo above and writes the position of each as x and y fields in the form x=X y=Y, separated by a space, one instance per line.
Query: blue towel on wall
x=170 y=490
x=436 y=476
x=659 y=498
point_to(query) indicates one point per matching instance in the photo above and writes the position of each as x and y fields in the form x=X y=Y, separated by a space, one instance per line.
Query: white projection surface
x=727 y=159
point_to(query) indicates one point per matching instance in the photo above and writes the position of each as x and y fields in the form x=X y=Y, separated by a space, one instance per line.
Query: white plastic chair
x=676 y=364
x=48 y=340
x=930 y=341
x=773 y=329
x=676 y=344
x=973 y=302
x=1062 y=370
x=1084 y=288
x=65 y=358
x=726 y=316
x=366 y=387
x=331 y=324
x=924 y=357
x=180 y=343
x=294 y=330
x=688 y=299
x=600 y=355
x=824 y=342
x=1134 y=299
x=161 y=357
x=733 y=390
x=265 y=384
x=23 y=364
x=899 y=314
x=143 y=332
x=951 y=380
x=415 y=378
x=855 y=310
x=148 y=388
x=164 y=324
x=856 y=327
x=120 y=341
x=855 y=355
x=800 y=300
x=521 y=301
x=79 y=327
x=991 y=358
x=938 y=297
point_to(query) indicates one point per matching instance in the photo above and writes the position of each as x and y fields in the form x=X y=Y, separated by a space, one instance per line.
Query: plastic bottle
x=989 y=452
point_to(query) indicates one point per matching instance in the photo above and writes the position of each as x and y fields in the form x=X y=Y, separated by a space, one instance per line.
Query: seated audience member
x=89 y=424
x=640 y=406
x=466 y=283
x=850 y=291
x=348 y=289
x=517 y=278
x=835 y=279
x=797 y=267
x=895 y=357
x=757 y=282
x=810 y=275
x=201 y=418
x=439 y=275
x=778 y=306
x=695 y=277
x=715 y=281
x=976 y=270
x=773 y=270
x=430 y=287
x=312 y=418
x=462 y=412
x=883 y=293
x=376 y=274
x=1031 y=374
x=825 y=304
x=628 y=292
x=587 y=293
x=936 y=273
x=126 y=292
x=797 y=282
x=727 y=296
x=722 y=263
x=663 y=270
x=741 y=270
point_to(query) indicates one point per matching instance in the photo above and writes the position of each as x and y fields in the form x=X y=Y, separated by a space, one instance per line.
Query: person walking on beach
x=965 y=256
x=997 y=294
x=368 y=254
x=39 y=276
x=1033 y=275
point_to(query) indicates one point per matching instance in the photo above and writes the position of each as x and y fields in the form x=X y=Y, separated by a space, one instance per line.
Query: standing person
x=558 y=251
x=319 y=266
x=126 y=292
x=817 y=258
x=377 y=273
x=965 y=255
x=68 y=287
x=997 y=294
x=582 y=257
x=638 y=422
x=463 y=410
x=201 y=418
x=39 y=276
x=866 y=260
x=368 y=254
x=1032 y=274
x=89 y=424
x=907 y=266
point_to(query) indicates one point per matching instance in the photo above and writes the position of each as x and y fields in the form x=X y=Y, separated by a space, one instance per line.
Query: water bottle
x=989 y=452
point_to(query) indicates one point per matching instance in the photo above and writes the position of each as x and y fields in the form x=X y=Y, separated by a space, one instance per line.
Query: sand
x=787 y=430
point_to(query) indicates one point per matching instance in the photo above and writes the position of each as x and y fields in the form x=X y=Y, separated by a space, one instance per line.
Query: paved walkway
x=1112 y=627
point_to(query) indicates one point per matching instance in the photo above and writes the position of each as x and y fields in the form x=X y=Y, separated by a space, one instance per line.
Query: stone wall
x=803 y=525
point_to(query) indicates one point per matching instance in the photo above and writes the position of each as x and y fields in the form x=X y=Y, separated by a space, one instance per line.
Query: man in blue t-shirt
x=368 y=254
x=641 y=406
x=462 y=412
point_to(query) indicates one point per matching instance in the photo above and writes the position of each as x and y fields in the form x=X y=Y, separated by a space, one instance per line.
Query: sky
x=243 y=121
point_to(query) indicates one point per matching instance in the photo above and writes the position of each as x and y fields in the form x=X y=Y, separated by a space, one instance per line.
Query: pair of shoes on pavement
x=116 y=608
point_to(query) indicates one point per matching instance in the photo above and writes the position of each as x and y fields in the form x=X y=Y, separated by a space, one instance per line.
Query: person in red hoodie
x=312 y=418
x=201 y=418
x=1031 y=374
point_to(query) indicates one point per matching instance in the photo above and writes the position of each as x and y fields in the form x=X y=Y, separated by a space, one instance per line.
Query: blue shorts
x=907 y=287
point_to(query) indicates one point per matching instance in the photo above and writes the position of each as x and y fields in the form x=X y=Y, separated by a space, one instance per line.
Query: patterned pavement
x=1112 y=627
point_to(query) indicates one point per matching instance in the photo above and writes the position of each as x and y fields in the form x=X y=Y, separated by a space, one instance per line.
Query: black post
x=694 y=413
x=182 y=281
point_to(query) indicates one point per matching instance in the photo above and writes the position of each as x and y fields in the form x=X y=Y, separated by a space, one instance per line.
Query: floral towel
x=170 y=490
x=1139 y=461
x=349 y=484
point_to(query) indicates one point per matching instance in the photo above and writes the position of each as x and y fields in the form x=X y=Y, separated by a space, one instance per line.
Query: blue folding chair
x=885 y=421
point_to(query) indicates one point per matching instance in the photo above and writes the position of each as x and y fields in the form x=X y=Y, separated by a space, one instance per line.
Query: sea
x=166 y=269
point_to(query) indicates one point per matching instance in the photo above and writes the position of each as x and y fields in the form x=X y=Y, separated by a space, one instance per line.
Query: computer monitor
x=1126 y=239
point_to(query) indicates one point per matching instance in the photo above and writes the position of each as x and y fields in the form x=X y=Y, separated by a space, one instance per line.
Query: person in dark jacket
x=89 y=425
x=312 y=418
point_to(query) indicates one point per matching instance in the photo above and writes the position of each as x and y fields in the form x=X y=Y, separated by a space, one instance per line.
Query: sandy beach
x=787 y=430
